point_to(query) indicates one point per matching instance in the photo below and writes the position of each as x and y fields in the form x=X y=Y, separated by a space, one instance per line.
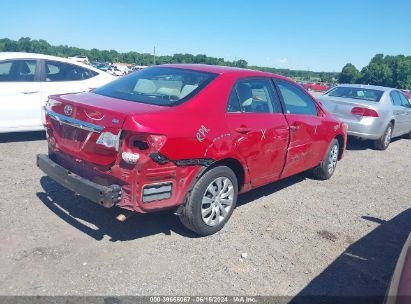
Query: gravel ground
x=301 y=236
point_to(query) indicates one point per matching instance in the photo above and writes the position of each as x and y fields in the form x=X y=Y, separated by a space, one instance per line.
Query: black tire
x=383 y=142
x=191 y=215
x=327 y=166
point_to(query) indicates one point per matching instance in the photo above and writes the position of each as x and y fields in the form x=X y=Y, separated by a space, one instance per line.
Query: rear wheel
x=327 y=167
x=385 y=140
x=212 y=201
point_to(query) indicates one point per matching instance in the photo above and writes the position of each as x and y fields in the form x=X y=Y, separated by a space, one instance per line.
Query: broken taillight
x=156 y=142
x=134 y=146
x=130 y=158
x=109 y=140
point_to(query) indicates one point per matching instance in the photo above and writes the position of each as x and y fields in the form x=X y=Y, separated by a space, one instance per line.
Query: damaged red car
x=188 y=138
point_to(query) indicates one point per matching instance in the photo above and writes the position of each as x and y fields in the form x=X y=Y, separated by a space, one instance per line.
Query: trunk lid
x=77 y=120
x=342 y=107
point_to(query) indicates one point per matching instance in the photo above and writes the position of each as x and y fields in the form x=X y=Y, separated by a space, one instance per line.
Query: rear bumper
x=102 y=195
x=366 y=128
x=363 y=135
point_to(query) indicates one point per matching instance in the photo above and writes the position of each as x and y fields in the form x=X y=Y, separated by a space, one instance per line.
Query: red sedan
x=188 y=138
x=407 y=93
x=317 y=86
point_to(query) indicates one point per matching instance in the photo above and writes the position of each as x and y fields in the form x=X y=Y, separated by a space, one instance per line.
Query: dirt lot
x=301 y=236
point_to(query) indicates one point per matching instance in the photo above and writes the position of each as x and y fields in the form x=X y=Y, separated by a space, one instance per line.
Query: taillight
x=44 y=118
x=134 y=146
x=109 y=140
x=156 y=142
x=364 y=112
x=130 y=158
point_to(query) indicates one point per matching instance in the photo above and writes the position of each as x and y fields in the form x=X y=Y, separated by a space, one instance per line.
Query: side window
x=22 y=70
x=395 y=98
x=404 y=100
x=253 y=95
x=296 y=100
x=60 y=71
x=233 y=102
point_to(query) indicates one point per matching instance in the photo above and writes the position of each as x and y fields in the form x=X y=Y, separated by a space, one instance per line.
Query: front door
x=20 y=95
x=260 y=129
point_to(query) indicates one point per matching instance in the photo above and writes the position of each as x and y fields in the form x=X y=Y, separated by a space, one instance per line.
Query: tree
x=241 y=63
x=388 y=71
x=377 y=74
x=326 y=77
x=349 y=74
x=404 y=74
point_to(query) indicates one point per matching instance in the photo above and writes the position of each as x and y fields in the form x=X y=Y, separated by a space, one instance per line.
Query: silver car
x=371 y=112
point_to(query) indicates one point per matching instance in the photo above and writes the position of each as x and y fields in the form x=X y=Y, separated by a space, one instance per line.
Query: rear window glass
x=356 y=93
x=158 y=86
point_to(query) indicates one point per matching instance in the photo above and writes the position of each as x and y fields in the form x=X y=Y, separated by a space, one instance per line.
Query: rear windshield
x=158 y=86
x=356 y=93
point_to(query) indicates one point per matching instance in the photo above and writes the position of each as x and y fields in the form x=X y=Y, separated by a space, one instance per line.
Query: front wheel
x=327 y=167
x=385 y=140
x=212 y=201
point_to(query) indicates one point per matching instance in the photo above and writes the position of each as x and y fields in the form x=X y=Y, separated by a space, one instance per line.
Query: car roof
x=218 y=69
x=366 y=86
x=22 y=55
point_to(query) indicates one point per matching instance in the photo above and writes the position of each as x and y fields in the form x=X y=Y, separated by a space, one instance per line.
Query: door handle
x=294 y=128
x=30 y=92
x=243 y=130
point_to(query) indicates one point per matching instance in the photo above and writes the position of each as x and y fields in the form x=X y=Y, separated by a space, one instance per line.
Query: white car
x=26 y=81
x=115 y=71
x=82 y=59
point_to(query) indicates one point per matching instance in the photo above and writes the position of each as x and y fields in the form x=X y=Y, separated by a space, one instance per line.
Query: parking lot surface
x=299 y=236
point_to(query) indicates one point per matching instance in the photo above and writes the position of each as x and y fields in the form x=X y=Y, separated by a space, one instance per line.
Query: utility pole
x=154 y=55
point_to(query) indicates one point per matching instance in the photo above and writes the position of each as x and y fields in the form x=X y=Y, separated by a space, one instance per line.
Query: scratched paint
x=263 y=133
x=215 y=139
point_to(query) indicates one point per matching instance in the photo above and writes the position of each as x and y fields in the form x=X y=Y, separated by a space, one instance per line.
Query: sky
x=310 y=35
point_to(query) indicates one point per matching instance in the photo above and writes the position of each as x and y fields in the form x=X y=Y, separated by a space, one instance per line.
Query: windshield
x=356 y=93
x=158 y=86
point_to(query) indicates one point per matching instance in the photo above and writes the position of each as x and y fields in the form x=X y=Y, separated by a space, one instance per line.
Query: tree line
x=388 y=71
x=26 y=44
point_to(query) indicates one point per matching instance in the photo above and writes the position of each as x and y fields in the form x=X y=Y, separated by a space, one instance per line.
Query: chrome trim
x=75 y=122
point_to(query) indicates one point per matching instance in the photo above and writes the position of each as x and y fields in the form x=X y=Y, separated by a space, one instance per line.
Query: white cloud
x=284 y=60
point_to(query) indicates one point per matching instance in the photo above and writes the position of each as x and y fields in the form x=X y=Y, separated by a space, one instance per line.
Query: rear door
x=406 y=106
x=20 y=95
x=307 y=145
x=261 y=132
